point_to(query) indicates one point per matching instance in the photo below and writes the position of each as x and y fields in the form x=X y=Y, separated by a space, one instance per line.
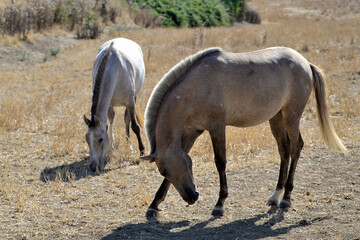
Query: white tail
x=327 y=129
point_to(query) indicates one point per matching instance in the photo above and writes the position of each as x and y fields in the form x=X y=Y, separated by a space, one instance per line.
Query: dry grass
x=42 y=131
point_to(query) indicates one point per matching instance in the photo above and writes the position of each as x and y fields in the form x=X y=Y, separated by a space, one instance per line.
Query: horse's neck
x=168 y=134
x=106 y=92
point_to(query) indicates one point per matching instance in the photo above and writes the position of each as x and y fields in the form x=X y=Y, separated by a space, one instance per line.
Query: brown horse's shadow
x=239 y=229
x=75 y=171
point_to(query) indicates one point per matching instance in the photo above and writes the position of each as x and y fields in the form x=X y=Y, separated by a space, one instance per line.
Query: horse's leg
x=296 y=145
x=127 y=120
x=187 y=142
x=153 y=209
x=135 y=126
x=111 y=117
x=279 y=132
x=218 y=141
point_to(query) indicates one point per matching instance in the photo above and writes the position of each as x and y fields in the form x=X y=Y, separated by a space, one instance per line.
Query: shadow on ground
x=239 y=229
x=77 y=170
x=68 y=172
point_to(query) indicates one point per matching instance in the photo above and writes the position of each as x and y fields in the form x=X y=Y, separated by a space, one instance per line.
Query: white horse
x=118 y=75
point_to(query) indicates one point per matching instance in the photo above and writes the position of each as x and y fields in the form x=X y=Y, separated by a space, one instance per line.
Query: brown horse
x=212 y=89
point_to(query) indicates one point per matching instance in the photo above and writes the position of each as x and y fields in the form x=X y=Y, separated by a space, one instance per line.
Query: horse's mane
x=161 y=89
x=97 y=83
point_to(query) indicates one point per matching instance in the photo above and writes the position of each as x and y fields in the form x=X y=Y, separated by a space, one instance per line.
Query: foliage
x=80 y=15
x=90 y=27
x=188 y=13
x=87 y=17
x=21 y=18
x=236 y=9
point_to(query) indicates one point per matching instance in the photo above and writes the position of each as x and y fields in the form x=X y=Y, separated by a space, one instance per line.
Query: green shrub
x=236 y=9
x=188 y=13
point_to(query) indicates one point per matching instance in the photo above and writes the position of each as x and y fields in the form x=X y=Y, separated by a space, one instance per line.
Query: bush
x=236 y=9
x=198 y=13
x=90 y=28
x=146 y=17
x=80 y=15
x=187 y=13
x=252 y=15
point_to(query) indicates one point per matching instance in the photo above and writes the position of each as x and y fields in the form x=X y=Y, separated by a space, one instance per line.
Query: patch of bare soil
x=325 y=206
x=38 y=50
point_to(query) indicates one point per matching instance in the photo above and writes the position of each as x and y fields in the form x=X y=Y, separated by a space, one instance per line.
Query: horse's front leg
x=218 y=141
x=153 y=209
x=111 y=117
x=127 y=121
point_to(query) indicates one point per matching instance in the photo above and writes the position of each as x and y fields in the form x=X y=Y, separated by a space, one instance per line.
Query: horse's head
x=177 y=169
x=98 y=141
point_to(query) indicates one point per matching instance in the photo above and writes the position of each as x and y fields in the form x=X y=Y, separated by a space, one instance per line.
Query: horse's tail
x=327 y=128
x=139 y=118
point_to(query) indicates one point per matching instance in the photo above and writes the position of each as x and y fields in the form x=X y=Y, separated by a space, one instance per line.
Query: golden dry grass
x=45 y=190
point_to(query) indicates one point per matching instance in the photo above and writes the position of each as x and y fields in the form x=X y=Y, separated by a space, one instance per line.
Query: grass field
x=47 y=192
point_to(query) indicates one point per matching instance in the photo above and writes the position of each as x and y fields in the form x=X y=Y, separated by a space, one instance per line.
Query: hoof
x=142 y=152
x=152 y=214
x=274 y=198
x=284 y=204
x=217 y=211
x=272 y=202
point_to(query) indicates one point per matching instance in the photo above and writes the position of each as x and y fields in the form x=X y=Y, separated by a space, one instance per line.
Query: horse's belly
x=251 y=114
x=249 y=121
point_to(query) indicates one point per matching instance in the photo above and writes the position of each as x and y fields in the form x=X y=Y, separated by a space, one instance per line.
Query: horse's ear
x=150 y=158
x=87 y=121
x=97 y=120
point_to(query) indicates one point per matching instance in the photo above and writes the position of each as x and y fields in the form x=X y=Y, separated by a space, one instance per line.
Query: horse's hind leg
x=218 y=141
x=135 y=126
x=296 y=145
x=279 y=132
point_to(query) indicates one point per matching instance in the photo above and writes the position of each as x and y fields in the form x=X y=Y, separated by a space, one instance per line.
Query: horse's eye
x=100 y=140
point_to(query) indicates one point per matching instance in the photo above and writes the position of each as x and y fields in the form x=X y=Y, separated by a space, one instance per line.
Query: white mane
x=161 y=89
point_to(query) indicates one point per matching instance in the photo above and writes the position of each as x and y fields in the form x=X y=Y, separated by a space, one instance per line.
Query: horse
x=118 y=75
x=212 y=89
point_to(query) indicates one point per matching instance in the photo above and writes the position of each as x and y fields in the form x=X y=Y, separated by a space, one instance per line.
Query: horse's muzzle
x=93 y=166
x=192 y=196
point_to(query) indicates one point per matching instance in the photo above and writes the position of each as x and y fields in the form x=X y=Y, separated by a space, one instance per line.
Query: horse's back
x=126 y=66
x=126 y=46
x=125 y=50
x=245 y=89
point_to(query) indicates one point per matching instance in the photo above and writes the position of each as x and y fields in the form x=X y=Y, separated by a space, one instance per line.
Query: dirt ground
x=48 y=192
x=325 y=206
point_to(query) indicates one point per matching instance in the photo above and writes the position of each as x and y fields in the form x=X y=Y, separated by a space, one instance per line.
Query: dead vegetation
x=86 y=18
x=47 y=192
